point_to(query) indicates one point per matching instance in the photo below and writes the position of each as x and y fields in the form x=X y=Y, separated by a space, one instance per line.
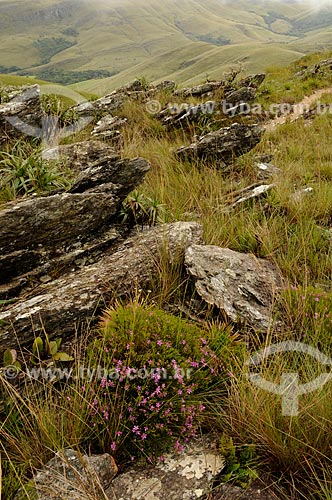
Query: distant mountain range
x=73 y=41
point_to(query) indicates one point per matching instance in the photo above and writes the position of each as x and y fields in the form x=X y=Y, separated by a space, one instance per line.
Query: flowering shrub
x=154 y=371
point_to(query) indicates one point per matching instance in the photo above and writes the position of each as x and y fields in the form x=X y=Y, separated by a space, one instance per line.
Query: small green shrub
x=156 y=370
x=48 y=349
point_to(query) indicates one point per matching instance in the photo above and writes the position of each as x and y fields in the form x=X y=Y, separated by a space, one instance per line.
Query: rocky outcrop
x=72 y=476
x=200 y=90
x=240 y=285
x=222 y=86
x=224 y=144
x=21 y=115
x=243 y=94
x=114 y=102
x=60 y=305
x=36 y=231
x=108 y=128
x=324 y=67
x=81 y=155
x=164 y=86
x=253 y=81
x=171 y=116
x=180 y=476
x=229 y=98
x=184 y=476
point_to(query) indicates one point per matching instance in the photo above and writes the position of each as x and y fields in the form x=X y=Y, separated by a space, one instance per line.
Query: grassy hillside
x=14 y=80
x=288 y=227
x=76 y=40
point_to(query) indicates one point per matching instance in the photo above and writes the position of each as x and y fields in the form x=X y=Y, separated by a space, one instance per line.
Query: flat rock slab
x=60 y=306
x=240 y=285
x=185 y=476
x=81 y=155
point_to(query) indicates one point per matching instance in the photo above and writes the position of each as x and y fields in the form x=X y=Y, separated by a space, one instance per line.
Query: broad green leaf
x=53 y=348
x=9 y=357
x=37 y=347
x=62 y=356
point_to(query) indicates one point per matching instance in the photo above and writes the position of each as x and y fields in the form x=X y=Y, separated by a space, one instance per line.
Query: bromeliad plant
x=138 y=209
x=24 y=172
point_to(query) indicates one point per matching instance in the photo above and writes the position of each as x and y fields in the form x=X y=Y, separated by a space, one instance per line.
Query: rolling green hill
x=97 y=46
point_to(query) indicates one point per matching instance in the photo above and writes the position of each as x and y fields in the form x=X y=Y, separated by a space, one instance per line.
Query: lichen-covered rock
x=185 y=476
x=81 y=155
x=71 y=476
x=60 y=305
x=224 y=144
x=108 y=128
x=240 y=285
x=253 y=492
x=22 y=115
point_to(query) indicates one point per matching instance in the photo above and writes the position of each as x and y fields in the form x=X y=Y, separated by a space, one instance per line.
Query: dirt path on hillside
x=298 y=109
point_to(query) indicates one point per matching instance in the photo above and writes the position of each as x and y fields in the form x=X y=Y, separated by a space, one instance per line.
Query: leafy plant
x=61 y=108
x=23 y=171
x=10 y=359
x=241 y=462
x=48 y=349
x=138 y=209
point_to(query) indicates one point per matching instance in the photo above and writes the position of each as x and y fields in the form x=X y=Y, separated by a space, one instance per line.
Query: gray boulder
x=60 y=305
x=21 y=115
x=242 y=286
x=72 y=476
x=81 y=155
x=185 y=476
x=224 y=144
x=108 y=128
x=43 y=236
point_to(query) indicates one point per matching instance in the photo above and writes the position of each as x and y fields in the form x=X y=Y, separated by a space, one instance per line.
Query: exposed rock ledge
x=76 y=297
